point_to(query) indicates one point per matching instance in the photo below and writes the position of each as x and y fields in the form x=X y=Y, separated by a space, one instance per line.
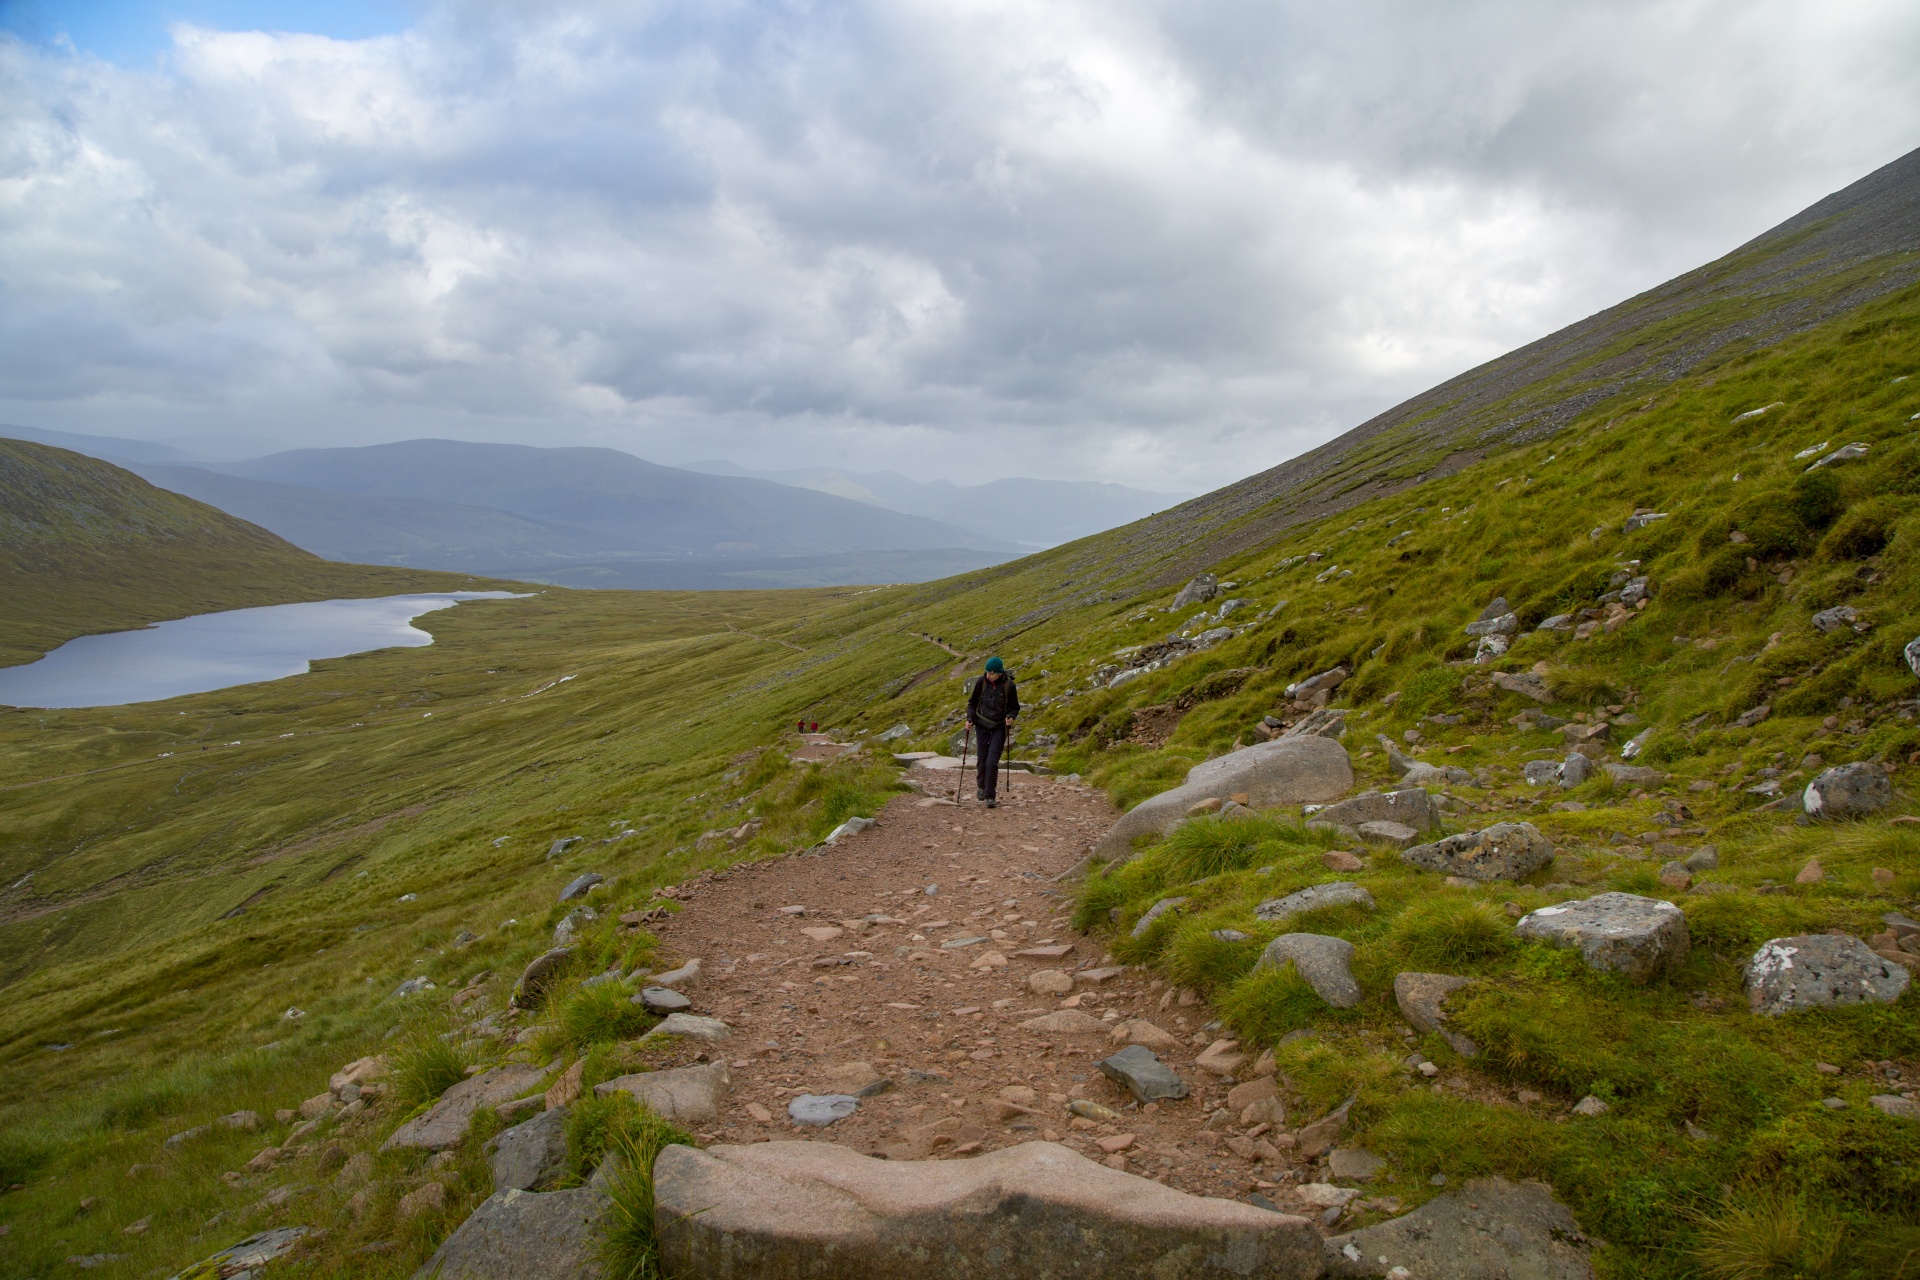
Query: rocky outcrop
x=1304 y=770
x=803 y=1209
x=1504 y=851
x=1623 y=933
x=530 y=1153
x=515 y=1235
x=1491 y=1229
x=1818 y=971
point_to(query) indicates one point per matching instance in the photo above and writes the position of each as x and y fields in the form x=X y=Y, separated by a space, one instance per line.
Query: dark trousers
x=992 y=743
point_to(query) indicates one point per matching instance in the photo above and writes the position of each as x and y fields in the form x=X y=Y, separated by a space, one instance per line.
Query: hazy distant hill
x=1038 y=513
x=87 y=547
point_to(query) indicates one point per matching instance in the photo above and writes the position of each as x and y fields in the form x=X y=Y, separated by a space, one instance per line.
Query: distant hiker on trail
x=992 y=708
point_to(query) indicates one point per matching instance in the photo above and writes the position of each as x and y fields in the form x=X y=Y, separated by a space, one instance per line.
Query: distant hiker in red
x=992 y=708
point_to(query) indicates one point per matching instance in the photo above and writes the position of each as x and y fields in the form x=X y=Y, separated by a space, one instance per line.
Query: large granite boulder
x=1622 y=933
x=1305 y=770
x=1338 y=893
x=1490 y=1229
x=684 y=1095
x=444 y=1125
x=805 y=1209
x=530 y=1153
x=1409 y=806
x=1326 y=963
x=1199 y=591
x=1504 y=851
x=517 y=1235
x=1848 y=791
x=1818 y=971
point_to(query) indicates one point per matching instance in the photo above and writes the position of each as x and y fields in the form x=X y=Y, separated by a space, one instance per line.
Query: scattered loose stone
x=687 y=975
x=1141 y=1032
x=539 y=975
x=1409 y=806
x=1318 y=1138
x=1142 y=1072
x=1298 y=770
x=1590 y=1106
x=1154 y=912
x=662 y=1000
x=430 y=1198
x=1066 y=1022
x=1504 y=851
x=1353 y=1164
x=1623 y=933
x=815 y=1208
x=1421 y=997
x=1814 y=971
x=690 y=1026
x=1222 y=1058
x=1893 y=1105
x=1049 y=982
x=1341 y=860
x=1325 y=962
x=580 y=886
x=1397 y=834
x=821 y=1109
x=1338 y=893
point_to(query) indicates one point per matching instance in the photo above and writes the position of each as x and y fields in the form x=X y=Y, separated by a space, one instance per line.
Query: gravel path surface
x=896 y=957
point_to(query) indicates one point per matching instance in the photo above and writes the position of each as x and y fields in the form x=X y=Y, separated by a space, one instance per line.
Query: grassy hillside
x=86 y=547
x=165 y=911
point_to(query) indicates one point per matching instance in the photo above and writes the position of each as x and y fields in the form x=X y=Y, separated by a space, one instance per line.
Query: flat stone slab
x=530 y=1153
x=1397 y=834
x=1304 y=770
x=1503 y=851
x=1153 y=913
x=1422 y=998
x=1065 y=1022
x=807 y=1209
x=251 y=1254
x=821 y=1108
x=1341 y=893
x=514 y=1235
x=1350 y=1164
x=445 y=1125
x=1141 y=1071
x=1490 y=1229
x=662 y=1000
x=580 y=886
x=686 y=1095
x=1622 y=933
x=690 y=1026
x=1326 y=963
x=1818 y=971
x=1410 y=806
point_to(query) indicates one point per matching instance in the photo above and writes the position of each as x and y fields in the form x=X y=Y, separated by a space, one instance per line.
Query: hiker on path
x=992 y=708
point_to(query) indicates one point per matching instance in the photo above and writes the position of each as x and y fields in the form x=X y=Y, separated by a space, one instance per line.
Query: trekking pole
x=965 y=742
x=1006 y=749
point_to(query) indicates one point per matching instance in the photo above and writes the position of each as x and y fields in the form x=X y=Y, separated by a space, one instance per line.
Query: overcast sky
x=1162 y=244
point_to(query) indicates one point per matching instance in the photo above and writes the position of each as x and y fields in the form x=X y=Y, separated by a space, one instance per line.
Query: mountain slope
x=1040 y=513
x=87 y=547
x=615 y=501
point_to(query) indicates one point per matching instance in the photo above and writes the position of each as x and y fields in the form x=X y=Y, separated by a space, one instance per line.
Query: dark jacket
x=992 y=701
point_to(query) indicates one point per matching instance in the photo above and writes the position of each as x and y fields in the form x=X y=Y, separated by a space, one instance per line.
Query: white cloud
x=1166 y=244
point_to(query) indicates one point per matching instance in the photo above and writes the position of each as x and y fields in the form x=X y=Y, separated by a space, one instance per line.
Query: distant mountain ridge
x=1038 y=513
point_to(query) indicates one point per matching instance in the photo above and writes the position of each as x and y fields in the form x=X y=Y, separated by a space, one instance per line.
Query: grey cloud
x=1165 y=244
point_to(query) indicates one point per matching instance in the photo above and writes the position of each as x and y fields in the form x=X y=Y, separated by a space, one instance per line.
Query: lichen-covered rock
x=539 y=975
x=1326 y=963
x=514 y=1235
x=1340 y=893
x=1818 y=971
x=1622 y=933
x=1504 y=851
x=1301 y=770
x=1491 y=1229
x=1848 y=790
x=794 y=1209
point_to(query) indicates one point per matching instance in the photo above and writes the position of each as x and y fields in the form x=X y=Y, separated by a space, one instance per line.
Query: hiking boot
x=992 y=803
x=979 y=793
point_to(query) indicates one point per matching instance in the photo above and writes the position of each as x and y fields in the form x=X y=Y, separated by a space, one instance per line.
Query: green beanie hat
x=994 y=664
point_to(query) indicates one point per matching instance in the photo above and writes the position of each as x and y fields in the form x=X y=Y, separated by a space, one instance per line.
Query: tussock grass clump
x=586 y=1016
x=424 y=1062
x=1769 y=1233
x=1446 y=935
x=630 y=1251
x=1268 y=1003
x=1193 y=957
